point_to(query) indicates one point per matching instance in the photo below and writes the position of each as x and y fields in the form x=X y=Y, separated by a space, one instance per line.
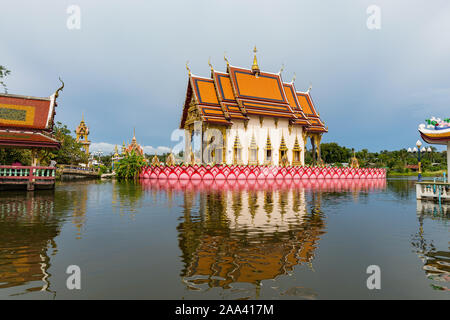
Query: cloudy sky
x=125 y=66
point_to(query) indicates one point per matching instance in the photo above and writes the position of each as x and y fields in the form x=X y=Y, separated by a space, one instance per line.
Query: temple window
x=237 y=151
x=283 y=160
x=253 y=152
x=296 y=154
x=268 y=155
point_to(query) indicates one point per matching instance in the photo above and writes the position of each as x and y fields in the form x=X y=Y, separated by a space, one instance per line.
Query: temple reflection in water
x=436 y=260
x=233 y=232
x=28 y=227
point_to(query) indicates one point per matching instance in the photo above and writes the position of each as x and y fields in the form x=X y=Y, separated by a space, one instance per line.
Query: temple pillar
x=314 y=154
x=318 y=138
x=305 y=142
x=187 y=144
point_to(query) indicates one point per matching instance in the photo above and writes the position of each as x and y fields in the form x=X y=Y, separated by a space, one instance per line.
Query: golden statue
x=155 y=161
x=354 y=163
x=170 y=161
x=284 y=160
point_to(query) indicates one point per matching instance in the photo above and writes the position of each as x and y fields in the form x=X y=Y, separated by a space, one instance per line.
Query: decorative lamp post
x=419 y=150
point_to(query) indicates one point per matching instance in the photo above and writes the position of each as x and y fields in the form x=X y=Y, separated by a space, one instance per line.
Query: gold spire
x=296 y=144
x=237 y=142
x=255 y=67
x=283 y=143
x=253 y=144
x=268 y=143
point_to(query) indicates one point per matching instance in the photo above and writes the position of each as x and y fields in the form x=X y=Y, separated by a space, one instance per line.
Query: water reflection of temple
x=234 y=233
x=28 y=227
x=436 y=260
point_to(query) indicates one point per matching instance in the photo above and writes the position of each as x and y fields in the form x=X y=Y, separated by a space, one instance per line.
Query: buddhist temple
x=249 y=116
x=133 y=146
x=82 y=133
x=27 y=122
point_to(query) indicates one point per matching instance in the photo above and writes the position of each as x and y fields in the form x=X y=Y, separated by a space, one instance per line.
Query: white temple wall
x=260 y=132
x=279 y=219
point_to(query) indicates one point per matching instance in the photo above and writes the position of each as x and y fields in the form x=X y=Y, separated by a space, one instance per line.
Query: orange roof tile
x=239 y=91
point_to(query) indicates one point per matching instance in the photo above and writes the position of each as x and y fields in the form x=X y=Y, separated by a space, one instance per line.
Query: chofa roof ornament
x=60 y=88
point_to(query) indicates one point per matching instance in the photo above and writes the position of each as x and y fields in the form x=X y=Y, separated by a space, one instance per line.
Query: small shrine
x=82 y=132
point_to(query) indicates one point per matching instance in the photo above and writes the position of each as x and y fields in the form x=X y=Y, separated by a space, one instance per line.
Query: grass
x=439 y=173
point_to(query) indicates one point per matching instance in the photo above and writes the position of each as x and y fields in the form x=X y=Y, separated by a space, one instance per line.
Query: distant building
x=82 y=133
x=133 y=146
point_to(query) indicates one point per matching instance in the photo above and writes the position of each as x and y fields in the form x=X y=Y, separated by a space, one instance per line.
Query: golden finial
x=309 y=88
x=281 y=69
x=209 y=64
x=187 y=67
x=294 y=77
x=255 y=67
x=225 y=58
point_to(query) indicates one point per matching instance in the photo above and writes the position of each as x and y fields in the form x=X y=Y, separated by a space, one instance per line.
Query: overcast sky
x=125 y=66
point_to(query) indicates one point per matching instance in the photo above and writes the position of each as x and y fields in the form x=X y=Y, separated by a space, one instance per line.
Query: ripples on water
x=229 y=236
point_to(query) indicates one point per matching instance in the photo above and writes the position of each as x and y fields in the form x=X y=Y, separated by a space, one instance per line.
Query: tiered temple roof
x=240 y=92
x=27 y=121
x=133 y=146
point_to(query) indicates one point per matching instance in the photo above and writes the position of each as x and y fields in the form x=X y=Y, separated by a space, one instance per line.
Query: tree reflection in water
x=246 y=231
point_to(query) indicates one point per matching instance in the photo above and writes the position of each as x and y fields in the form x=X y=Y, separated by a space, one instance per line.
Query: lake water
x=160 y=240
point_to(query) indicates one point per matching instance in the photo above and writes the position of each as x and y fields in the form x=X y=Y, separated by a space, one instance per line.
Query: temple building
x=28 y=123
x=82 y=133
x=248 y=117
x=133 y=146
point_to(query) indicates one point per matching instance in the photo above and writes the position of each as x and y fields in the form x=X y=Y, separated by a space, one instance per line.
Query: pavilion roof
x=27 y=121
x=27 y=139
x=240 y=92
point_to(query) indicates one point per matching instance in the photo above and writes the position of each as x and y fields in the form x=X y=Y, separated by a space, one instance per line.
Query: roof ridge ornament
x=209 y=64
x=255 y=67
x=293 y=78
x=281 y=69
x=187 y=67
x=309 y=88
x=225 y=58
x=59 y=89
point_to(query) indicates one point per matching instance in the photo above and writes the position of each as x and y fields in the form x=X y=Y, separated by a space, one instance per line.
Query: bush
x=130 y=166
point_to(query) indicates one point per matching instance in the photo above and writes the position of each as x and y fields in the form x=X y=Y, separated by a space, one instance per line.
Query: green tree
x=130 y=166
x=71 y=151
x=3 y=73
